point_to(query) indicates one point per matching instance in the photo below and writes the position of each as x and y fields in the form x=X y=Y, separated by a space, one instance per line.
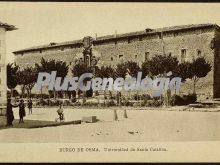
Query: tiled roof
x=125 y=35
x=7 y=26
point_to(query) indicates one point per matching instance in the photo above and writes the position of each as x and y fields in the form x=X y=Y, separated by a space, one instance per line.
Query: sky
x=40 y=23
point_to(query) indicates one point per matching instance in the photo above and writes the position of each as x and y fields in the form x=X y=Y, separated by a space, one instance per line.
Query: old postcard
x=109 y=82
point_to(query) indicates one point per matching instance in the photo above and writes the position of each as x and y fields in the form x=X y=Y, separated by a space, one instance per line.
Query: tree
x=199 y=68
x=78 y=70
x=161 y=64
x=132 y=71
x=53 y=65
x=27 y=77
x=30 y=78
x=132 y=68
x=105 y=72
x=121 y=70
x=184 y=71
x=22 y=81
x=12 y=80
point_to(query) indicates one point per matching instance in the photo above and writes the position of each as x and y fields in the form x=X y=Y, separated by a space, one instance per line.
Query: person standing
x=9 y=113
x=30 y=106
x=60 y=112
x=21 y=111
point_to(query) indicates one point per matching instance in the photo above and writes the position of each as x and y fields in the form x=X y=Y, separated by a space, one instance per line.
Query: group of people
x=22 y=113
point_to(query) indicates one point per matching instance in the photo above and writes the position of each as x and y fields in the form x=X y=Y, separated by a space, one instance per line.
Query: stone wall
x=192 y=41
x=115 y=51
x=173 y=43
x=30 y=58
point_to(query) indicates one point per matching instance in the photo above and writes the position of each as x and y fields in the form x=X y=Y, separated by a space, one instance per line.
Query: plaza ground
x=140 y=126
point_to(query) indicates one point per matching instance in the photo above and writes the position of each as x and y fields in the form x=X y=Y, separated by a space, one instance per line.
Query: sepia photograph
x=107 y=73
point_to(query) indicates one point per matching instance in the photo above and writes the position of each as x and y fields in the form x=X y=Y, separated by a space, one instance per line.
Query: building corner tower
x=3 y=65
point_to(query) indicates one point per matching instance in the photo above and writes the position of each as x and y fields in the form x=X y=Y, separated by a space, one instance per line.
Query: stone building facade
x=185 y=42
x=3 y=66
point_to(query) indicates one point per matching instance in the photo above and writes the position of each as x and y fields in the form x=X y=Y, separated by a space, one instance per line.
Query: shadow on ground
x=38 y=124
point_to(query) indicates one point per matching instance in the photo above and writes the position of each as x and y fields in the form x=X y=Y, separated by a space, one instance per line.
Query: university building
x=186 y=42
x=3 y=66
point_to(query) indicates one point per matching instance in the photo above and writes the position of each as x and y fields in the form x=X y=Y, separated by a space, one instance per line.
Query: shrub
x=143 y=104
x=126 y=102
x=88 y=103
x=54 y=102
x=45 y=96
x=111 y=103
x=176 y=100
x=112 y=97
x=76 y=104
x=153 y=103
x=148 y=103
x=66 y=103
x=136 y=97
x=136 y=104
x=73 y=100
x=42 y=102
x=70 y=94
x=157 y=103
x=89 y=93
x=191 y=98
x=96 y=93
x=145 y=97
x=183 y=100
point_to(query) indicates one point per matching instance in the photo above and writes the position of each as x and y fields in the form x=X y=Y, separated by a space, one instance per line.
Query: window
x=146 y=57
x=183 y=55
x=0 y=94
x=120 y=56
x=62 y=48
x=199 y=53
x=170 y=54
x=135 y=56
x=40 y=51
x=111 y=58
